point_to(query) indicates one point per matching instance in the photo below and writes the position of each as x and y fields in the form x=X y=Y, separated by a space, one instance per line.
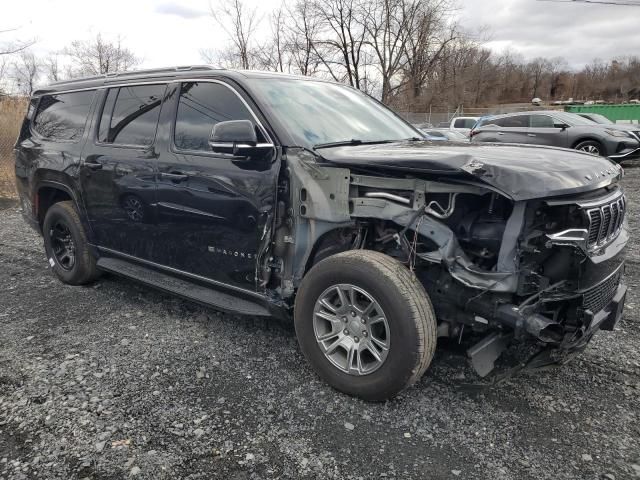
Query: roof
x=526 y=112
x=161 y=74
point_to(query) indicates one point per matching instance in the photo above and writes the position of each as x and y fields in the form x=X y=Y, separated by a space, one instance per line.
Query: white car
x=463 y=124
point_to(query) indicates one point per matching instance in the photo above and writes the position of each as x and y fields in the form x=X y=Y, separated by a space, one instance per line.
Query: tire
x=60 y=229
x=590 y=146
x=410 y=324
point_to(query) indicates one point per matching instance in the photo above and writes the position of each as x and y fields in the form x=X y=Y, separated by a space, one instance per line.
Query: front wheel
x=365 y=324
x=590 y=146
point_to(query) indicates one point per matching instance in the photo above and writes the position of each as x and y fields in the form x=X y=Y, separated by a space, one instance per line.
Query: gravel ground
x=115 y=380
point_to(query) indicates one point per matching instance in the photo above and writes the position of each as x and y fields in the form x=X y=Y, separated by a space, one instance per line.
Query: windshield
x=316 y=113
x=601 y=119
x=573 y=118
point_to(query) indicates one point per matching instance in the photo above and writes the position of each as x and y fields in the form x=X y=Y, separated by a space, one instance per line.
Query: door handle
x=531 y=134
x=93 y=166
x=175 y=176
x=500 y=133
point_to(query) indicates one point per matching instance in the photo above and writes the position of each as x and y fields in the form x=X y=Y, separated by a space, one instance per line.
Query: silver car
x=561 y=129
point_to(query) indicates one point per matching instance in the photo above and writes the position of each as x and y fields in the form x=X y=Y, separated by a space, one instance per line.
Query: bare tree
x=274 y=55
x=26 y=71
x=99 y=56
x=303 y=30
x=389 y=25
x=239 y=22
x=427 y=42
x=52 y=68
x=344 y=36
x=11 y=47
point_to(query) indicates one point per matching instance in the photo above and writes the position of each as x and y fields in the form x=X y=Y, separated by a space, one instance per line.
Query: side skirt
x=188 y=289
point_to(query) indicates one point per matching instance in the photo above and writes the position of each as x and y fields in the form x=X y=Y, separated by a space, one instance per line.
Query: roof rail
x=150 y=71
x=181 y=68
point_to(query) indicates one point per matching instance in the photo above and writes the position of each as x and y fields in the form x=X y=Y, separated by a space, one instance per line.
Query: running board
x=185 y=289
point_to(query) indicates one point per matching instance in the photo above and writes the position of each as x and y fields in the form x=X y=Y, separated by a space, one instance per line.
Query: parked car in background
x=561 y=129
x=596 y=117
x=463 y=124
x=446 y=134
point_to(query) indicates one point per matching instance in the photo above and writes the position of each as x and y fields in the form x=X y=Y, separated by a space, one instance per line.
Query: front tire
x=66 y=245
x=590 y=146
x=365 y=324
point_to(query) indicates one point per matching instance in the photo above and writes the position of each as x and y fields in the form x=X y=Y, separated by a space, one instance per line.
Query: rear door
x=543 y=131
x=119 y=167
x=212 y=207
x=514 y=129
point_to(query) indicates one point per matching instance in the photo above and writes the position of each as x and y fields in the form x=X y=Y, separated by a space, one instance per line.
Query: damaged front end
x=497 y=267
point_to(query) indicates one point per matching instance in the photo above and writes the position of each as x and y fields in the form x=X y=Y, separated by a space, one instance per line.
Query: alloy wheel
x=63 y=246
x=592 y=149
x=351 y=329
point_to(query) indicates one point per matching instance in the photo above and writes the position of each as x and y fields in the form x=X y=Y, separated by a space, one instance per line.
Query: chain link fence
x=12 y=112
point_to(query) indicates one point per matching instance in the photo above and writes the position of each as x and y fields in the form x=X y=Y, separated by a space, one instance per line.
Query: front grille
x=598 y=297
x=605 y=221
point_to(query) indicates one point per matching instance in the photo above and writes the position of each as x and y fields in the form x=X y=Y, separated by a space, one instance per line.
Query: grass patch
x=12 y=112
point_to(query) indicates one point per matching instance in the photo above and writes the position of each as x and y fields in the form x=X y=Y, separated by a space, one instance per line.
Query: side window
x=201 y=106
x=130 y=115
x=62 y=117
x=517 y=121
x=541 y=121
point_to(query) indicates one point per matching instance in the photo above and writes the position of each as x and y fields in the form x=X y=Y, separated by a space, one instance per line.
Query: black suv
x=275 y=195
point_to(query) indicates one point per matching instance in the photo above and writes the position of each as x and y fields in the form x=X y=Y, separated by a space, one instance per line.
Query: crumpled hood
x=521 y=172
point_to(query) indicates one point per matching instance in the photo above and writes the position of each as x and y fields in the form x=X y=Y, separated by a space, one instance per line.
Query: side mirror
x=238 y=138
x=562 y=126
x=228 y=137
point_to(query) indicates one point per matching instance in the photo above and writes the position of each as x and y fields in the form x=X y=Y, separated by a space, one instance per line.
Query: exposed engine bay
x=546 y=270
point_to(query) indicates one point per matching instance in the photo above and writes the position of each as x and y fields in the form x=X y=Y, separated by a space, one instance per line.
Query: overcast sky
x=172 y=32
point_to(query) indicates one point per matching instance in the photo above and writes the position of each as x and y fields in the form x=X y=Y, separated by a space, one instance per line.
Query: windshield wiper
x=350 y=143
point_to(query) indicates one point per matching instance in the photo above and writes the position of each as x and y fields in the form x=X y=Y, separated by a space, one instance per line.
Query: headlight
x=618 y=133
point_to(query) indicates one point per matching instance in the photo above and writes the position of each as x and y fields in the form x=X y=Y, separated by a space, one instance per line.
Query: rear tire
x=66 y=245
x=590 y=146
x=400 y=318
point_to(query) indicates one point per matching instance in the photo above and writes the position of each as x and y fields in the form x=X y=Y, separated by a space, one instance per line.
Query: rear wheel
x=66 y=245
x=365 y=323
x=590 y=146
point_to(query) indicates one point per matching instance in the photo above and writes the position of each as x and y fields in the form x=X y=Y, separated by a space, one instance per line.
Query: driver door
x=211 y=207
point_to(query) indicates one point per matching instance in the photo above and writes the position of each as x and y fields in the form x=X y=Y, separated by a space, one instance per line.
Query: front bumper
x=608 y=317
x=626 y=154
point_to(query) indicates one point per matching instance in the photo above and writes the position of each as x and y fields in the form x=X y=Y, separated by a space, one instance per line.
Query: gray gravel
x=115 y=381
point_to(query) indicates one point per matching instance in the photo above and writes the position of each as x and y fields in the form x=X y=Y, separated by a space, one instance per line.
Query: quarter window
x=201 y=106
x=130 y=115
x=62 y=117
x=517 y=121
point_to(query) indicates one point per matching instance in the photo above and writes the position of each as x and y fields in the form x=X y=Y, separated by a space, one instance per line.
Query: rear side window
x=517 y=121
x=130 y=115
x=201 y=106
x=62 y=117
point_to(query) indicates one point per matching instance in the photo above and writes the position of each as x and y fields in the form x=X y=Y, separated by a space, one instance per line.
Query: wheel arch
x=51 y=187
x=587 y=139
